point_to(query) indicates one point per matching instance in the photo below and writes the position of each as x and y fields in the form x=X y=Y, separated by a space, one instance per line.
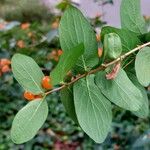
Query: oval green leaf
x=75 y=29
x=27 y=73
x=121 y=91
x=131 y=17
x=143 y=112
x=92 y=108
x=28 y=121
x=142 y=66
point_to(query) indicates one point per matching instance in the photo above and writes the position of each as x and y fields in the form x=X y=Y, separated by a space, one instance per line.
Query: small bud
x=112 y=46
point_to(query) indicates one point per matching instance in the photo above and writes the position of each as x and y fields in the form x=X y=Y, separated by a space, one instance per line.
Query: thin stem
x=102 y=67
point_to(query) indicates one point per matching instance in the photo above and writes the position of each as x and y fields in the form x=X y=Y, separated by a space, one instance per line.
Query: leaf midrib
x=88 y=88
x=32 y=116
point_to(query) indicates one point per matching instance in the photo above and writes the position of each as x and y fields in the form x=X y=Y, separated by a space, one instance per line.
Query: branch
x=102 y=67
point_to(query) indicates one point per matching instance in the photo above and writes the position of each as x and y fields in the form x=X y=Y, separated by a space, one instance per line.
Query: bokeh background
x=30 y=27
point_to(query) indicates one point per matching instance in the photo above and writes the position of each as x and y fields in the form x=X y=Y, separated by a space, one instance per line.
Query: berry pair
x=4 y=66
x=46 y=84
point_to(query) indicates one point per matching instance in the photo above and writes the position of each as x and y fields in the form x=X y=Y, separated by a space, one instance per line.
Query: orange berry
x=4 y=62
x=98 y=38
x=2 y=26
x=47 y=83
x=5 y=69
x=25 y=26
x=100 y=51
x=55 y=24
x=54 y=52
x=60 y=52
x=56 y=58
x=29 y=96
x=21 y=44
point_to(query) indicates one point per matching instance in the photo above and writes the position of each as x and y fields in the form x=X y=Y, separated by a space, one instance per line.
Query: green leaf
x=27 y=73
x=66 y=62
x=75 y=29
x=131 y=17
x=121 y=91
x=142 y=66
x=68 y=102
x=112 y=46
x=92 y=108
x=143 y=112
x=28 y=121
x=128 y=39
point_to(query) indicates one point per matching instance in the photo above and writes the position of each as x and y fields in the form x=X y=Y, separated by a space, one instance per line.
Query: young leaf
x=28 y=121
x=112 y=45
x=142 y=66
x=27 y=73
x=68 y=102
x=120 y=91
x=131 y=17
x=92 y=108
x=66 y=62
x=75 y=29
x=143 y=112
x=128 y=39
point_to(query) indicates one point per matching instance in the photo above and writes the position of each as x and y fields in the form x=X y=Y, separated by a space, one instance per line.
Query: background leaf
x=131 y=17
x=75 y=29
x=68 y=102
x=142 y=66
x=66 y=62
x=92 y=108
x=28 y=121
x=120 y=91
x=27 y=73
x=143 y=112
x=128 y=39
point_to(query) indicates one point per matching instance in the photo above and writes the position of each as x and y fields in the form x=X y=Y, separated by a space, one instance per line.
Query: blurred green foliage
x=24 y=10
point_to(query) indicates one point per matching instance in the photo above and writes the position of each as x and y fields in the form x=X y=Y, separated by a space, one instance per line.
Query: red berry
x=5 y=69
x=25 y=26
x=60 y=52
x=100 y=51
x=47 y=83
x=29 y=96
x=4 y=62
x=98 y=37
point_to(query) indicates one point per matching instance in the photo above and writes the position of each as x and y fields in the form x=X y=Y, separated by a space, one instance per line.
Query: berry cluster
x=4 y=66
x=46 y=84
x=55 y=54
